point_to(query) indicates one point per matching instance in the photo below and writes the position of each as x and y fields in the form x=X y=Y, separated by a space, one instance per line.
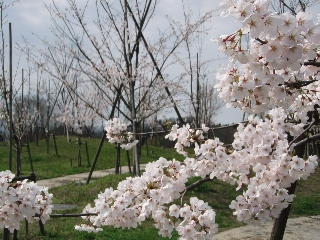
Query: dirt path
x=303 y=228
x=81 y=177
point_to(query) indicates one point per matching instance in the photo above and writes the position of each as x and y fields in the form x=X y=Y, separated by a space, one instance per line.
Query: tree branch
x=73 y=215
x=312 y=63
x=287 y=6
x=307 y=129
x=304 y=141
x=194 y=185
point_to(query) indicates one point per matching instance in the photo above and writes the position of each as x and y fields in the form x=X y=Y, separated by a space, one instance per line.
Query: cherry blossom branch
x=300 y=83
x=307 y=129
x=194 y=185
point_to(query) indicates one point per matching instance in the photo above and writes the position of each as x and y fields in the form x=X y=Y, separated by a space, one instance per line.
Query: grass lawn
x=50 y=166
x=217 y=193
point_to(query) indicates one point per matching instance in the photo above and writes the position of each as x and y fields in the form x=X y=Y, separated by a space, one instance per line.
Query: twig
x=194 y=185
x=73 y=215
x=300 y=83
x=310 y=125
x=261 y=41
x=304 y=141
x=312 y=63
x=303 y=6
x=290 y=8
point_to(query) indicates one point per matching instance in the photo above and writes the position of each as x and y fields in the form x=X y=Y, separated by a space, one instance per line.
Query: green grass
x=307 y=200
x=50 y=166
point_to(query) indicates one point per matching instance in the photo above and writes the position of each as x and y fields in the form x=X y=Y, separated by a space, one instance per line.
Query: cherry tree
x=277 y=75
x=115 y=54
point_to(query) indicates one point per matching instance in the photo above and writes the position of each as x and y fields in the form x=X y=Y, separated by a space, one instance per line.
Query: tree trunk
x=10 y=100
x=279 y=225
x=134 y=130
x=18 y=163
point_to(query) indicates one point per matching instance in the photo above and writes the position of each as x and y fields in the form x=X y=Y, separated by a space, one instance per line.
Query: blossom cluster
x=22 y=200
x=272 y=71
x=117 y=133
x=261 y=162
x=150 y=195
x=186 y=137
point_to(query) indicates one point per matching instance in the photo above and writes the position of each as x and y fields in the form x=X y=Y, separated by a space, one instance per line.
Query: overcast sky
x=31 y=16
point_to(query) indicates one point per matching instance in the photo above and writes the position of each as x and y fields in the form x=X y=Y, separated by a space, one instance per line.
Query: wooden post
x=128 y=158
x=79 y=151
x=117 y=168
x=86 y=144
x=47 y=142
x=41 y=226
x=6 y=234
x=97 y=155
x=26 y=227
x=30 y=159
x=55 y=144
x=15 y=234
x=146 y=142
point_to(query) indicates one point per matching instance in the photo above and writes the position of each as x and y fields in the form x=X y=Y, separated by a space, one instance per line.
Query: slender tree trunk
x=198 y=100
x=134 y=130
x=18 y=161
x=279 y=225
x=48 y=121
x=37 y=119
x=67 y=132
x=10 y=99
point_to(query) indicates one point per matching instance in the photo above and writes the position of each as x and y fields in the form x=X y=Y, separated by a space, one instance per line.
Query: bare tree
x=293 y=6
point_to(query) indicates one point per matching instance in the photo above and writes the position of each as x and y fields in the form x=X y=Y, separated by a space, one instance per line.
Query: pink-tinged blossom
x=242 y=10
x=312 y=34
x=254 y=25
x=304 y=20
x=289 y=22
x=272 y=51
x=292 y=38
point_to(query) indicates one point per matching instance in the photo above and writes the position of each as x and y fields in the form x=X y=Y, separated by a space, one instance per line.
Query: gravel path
x=303 y=228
